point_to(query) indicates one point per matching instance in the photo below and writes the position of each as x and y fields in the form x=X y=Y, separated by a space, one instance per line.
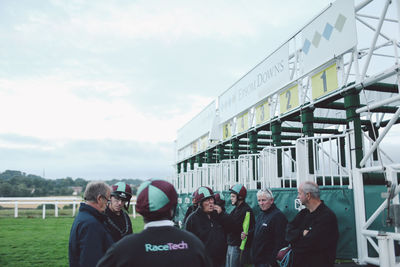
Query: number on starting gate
x=324 y=82
x=262 y=113
x=289 y=99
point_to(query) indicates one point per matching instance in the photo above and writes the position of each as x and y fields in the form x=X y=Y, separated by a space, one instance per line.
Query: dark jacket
x=157 y=246
x=189 y=211
x=318 y=247
x=269 y=236
x=233 y=225
x=118 y=225
x=89 y=239
x=210 y=231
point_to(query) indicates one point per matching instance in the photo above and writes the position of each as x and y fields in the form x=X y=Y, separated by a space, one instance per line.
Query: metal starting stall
x=323 y=107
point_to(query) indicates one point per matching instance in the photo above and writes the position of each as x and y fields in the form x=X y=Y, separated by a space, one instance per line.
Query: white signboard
x=197 y=127
x=331 y=34
x=267 y=77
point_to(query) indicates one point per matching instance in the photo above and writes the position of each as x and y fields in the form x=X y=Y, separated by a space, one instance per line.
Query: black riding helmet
x=123 y=191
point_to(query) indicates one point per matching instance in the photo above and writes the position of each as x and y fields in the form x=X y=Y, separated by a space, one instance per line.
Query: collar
x=94 y=212
x=159 y=223
x=110 y=213
x=270 y=209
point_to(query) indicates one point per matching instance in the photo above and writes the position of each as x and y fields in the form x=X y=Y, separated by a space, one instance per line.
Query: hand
x=217 y=208
x=243 y=235
x=305 y=232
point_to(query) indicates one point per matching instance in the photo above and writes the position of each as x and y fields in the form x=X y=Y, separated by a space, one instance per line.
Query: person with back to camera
x=233 y=226
x=89 y=238
x=269 y=232
x=204 y=225
x=160 y=243
x=313 y=234
x=118 y=222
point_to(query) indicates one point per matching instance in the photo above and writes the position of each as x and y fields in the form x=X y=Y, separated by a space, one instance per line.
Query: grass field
x=38 y=242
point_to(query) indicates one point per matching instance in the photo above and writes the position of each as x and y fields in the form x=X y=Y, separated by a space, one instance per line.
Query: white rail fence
x=17 y=202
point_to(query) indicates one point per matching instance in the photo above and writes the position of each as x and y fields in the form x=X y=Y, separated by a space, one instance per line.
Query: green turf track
x=38 y=242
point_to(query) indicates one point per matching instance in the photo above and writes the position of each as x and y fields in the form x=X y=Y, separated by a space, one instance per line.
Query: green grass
x=38 y=242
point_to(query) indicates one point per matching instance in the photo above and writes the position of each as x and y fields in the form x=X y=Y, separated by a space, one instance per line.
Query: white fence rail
x=20 y=201
x=17 y=202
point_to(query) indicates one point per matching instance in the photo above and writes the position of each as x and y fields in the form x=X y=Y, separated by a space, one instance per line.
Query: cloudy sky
x=98 y=89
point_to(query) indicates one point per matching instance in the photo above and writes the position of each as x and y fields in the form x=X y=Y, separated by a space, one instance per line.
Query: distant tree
x=6 y=189
x=19 y=184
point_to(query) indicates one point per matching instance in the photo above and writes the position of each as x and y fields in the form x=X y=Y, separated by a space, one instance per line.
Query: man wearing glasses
x=89 y=238
x=118 y=222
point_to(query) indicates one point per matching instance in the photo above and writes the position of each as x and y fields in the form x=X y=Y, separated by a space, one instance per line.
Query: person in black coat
x=233 y=226
x=313 y=234
x=203 y=224
x=118 y=222
x=160 y=243
x=89 y=238
x=269 y=232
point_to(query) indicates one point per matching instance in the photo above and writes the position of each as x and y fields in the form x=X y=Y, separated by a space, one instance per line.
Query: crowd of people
x=101 y=234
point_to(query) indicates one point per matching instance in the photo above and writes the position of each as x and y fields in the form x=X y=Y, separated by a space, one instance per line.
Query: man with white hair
x=89 y=238
x=313 y=234
x=269 y=233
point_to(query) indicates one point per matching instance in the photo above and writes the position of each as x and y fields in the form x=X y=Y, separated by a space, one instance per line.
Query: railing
x=249 y=170
x=278 y=167
x=324 y=160
x=229 y=173
x=17 y=202
x=384 y=244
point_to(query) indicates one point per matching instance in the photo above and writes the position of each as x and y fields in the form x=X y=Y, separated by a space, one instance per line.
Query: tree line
x=20 y=184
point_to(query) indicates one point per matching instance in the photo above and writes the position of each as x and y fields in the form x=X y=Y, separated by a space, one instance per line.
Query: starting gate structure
x=323 y=107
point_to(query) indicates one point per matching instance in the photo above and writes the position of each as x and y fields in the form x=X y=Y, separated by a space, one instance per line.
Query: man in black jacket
x=160 y=243
x=269 y=233
x=313 y=234
x=118 y=222
x=89 y=238
x=233 y=226
x=204 y=225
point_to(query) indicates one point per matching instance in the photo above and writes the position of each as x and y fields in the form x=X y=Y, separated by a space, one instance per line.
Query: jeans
x=233 y=257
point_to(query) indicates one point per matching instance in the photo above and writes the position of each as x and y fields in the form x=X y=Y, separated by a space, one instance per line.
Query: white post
x=359 y=214
x=134 y=210
x=386 y=251
x=73 y=209
x=44 y=211
x=16 y=210
x=56 y=208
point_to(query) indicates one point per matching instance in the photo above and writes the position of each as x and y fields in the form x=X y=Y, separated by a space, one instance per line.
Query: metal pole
x=359 y=215
x=44 y=212
x=377 y=142
x=384 y=253
x=372 y=48
x=73 y=209
x=56 y=209
x=16 y=210
x=378 y=104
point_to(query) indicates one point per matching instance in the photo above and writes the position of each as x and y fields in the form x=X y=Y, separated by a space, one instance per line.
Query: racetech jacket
x=159 y=244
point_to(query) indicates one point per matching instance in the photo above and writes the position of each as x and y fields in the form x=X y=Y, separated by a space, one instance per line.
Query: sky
x=98 y=89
